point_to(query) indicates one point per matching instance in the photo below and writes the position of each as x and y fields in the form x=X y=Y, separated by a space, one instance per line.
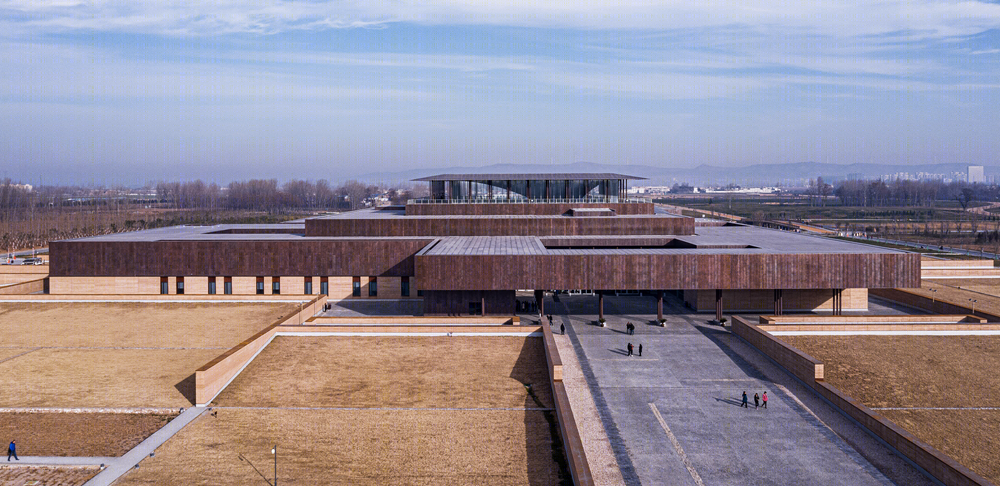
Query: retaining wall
x=211 y=378
x=29 y=287
x=936 y=463
x=572 y=443
x=840 y=320
x=935 y=306
x=415 y=320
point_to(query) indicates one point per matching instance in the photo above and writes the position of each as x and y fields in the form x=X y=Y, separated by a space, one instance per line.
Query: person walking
x=562 y=328
x=744 y=400
x=12 y=451
x=630 y=349
x=640 y=350
x=765 y=399
x=756 y=401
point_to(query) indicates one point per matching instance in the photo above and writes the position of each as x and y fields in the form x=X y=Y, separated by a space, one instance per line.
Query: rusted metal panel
x=668 y=271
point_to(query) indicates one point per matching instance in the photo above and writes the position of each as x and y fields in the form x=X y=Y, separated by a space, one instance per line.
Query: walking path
x=600 y=456
x=61 y=461
x=118 y=466
x=672 y=416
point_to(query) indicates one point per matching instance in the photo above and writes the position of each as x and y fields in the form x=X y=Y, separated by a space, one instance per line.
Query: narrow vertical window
x=404 y=287
x=211 y=285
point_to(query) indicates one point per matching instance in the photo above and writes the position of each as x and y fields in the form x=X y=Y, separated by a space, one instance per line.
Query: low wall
x=165 y=298
x=403 y=329
x=29 y=287
x=211 y=378
x=939 y=263
x=936 y=305
x=897 y=319
x=937 y=464
x=416 y=320
x=803 y=366
x=572 y=443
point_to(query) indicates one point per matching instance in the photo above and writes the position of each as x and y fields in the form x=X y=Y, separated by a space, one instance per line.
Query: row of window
x=324 y=286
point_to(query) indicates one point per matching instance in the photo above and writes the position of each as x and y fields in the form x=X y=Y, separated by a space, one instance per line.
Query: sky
x=125 y=92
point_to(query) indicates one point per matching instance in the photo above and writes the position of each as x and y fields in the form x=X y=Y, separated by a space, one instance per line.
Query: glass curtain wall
x=518 y=190
x=557 y=189
x=438 y=190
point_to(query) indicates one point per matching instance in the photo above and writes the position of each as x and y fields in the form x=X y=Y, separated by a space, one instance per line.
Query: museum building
x=479 y=238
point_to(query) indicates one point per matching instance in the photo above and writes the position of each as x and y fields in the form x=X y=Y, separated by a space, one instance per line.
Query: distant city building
x=976 y=174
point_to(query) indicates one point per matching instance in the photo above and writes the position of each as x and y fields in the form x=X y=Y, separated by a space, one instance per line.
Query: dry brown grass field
x=78 y=434
x=55 y=354
x=357 y=447
x=130 y=324
x=376 y=410
x=48 y=476
x=426 y=372
x=920 y=372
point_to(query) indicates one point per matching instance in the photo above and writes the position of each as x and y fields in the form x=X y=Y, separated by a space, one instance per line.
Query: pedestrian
x=640 y=350
x=756 y=401
x=765 y=399
x=631 y=328
x=744 y=400
x=630 y=349
x=562 y=328
x=550 y=319
x=12 y=451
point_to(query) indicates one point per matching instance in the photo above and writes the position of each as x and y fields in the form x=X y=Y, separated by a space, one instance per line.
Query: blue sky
x=126 y=92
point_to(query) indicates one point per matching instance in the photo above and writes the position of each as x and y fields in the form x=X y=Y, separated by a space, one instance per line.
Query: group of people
x=527 y=306
x=756 y=400
x=629 y=328
x=630 y=349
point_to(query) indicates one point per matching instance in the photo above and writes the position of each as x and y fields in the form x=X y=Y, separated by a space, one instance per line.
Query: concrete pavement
x=673 y=415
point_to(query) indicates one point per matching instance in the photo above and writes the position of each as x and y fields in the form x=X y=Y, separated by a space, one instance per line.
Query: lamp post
x=933 y=296
x=973 y=305
x=274 y=452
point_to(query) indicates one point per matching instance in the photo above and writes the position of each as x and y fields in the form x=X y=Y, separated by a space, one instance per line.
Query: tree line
x=911 y=193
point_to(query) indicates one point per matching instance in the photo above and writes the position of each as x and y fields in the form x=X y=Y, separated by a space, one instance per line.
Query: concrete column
x=540 y=300
x=778 y=302
x=600 y=305
x=659 y=306
x=718 y=304
x=838 y=302
x=483 y=304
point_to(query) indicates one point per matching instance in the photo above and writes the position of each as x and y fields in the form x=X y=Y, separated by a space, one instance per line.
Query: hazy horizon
x=122 y=92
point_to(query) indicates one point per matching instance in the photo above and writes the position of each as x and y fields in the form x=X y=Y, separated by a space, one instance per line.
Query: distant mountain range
x=792 y=174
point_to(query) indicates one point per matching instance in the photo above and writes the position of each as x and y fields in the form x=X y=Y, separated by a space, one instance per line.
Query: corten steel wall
x=669 y=271
x=456 y=303
x=513 y=226
x=233 y=258
x=518 y=208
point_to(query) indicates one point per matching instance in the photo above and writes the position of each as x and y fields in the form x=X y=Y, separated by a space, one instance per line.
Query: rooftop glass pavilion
x=586 y=187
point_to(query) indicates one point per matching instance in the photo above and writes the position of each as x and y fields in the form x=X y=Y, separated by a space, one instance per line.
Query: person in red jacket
x=765 y=399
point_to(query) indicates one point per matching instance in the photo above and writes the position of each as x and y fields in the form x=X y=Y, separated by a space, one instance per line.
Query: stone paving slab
x=695 y=384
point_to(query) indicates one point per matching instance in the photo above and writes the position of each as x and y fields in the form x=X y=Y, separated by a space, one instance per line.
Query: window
x=308 y=286
x=211 y=285
x=276 y=285
x=420 y=293
x=475 y=308
x=260 y=285
x=227 y=285
x=180 y=285
x=404 y=287
x=372 y=287
x=164 y=286
x=324 y=285
x=356 y=287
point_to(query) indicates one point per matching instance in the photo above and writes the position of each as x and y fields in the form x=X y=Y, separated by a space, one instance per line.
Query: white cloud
x=914 y=18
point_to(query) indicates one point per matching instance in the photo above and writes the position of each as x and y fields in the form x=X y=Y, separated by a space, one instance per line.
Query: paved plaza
x=673 y=416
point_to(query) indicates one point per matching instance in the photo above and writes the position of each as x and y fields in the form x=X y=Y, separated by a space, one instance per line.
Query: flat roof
x=566 y=176
x=710 y=239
